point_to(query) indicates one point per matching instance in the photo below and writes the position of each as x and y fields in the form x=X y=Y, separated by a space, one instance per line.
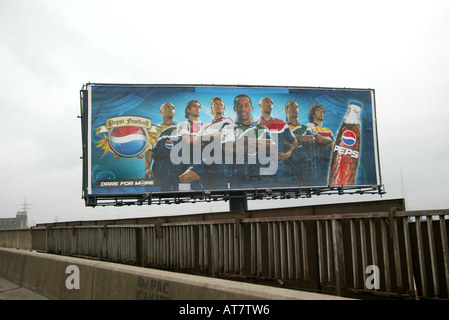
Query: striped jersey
x=322 y=152
x=321 y=130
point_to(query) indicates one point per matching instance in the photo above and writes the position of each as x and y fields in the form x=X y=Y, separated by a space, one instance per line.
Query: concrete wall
x=16 y=238
x=45 y=274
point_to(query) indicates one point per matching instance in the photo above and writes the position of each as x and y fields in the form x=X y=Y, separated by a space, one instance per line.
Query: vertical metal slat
x=386 y=259
x=445 y=248
x=422 y=267
x=433 y=262
x=355 y=260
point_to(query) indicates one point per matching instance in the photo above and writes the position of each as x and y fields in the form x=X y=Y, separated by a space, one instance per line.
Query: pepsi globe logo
x=169 y=144
x=349 y=138
x=128 y=141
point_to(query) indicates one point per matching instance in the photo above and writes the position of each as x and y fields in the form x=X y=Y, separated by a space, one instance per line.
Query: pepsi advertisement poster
x=160 y=139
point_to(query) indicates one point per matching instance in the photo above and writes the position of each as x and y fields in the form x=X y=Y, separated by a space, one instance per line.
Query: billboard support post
x=238 y=202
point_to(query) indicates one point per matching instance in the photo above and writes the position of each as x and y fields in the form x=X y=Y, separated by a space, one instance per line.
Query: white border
x=89 y=139
x=375 y=138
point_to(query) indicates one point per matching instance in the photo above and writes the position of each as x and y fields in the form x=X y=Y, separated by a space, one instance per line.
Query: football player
x=213 y=171
x=285 y=140
x=324 y=142
x=256 y=141
x=300 y=165
x=157 y=159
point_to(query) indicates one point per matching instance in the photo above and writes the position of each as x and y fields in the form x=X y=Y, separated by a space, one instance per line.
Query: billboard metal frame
x=236 y=197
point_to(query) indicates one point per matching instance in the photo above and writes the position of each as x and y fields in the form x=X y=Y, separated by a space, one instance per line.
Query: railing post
x=47 y=239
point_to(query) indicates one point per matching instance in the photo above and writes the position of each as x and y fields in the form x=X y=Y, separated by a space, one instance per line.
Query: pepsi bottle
x=346 y=153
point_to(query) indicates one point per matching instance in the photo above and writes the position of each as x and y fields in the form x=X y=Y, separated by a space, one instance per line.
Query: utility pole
x=22 y=215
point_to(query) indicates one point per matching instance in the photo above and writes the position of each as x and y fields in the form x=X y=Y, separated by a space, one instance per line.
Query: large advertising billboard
x=145 y=141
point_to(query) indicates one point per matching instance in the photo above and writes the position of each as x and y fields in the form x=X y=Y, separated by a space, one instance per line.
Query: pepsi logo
x=348 y=138
x=169 y=144
x=128 y=141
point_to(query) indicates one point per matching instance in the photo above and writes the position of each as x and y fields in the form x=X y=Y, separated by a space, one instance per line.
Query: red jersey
x=274 y=124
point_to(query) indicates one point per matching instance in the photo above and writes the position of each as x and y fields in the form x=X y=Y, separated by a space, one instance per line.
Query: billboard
x=146 y=143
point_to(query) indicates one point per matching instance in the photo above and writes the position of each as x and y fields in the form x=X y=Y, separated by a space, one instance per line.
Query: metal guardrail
x=327 y=253
x=112 y=243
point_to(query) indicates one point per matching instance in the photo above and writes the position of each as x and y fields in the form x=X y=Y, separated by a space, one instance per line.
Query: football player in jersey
x=324 y=142
x=188 y=131
x=157 y=159
x=256 y=140
x=301 y=165
x=192 y=113
x=213 y=172
x=284 y=138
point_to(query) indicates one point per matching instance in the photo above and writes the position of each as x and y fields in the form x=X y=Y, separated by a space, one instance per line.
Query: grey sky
x=48 y=49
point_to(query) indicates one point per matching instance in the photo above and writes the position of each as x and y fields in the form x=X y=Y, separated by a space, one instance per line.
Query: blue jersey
x=280 y=132
x=302 y=153
x=283 y=137
x=164 y=170
x=246 y=170
x=301 y=165
x=165 y=140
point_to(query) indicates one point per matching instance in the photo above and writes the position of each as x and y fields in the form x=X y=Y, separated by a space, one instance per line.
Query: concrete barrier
x=63 y=278
x=11 y=265
x=12 y=291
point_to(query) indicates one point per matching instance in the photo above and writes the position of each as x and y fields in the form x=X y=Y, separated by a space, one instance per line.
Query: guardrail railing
x=389 y=254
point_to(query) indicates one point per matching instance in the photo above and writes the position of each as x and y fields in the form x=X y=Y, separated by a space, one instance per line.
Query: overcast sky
x=49 y=49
